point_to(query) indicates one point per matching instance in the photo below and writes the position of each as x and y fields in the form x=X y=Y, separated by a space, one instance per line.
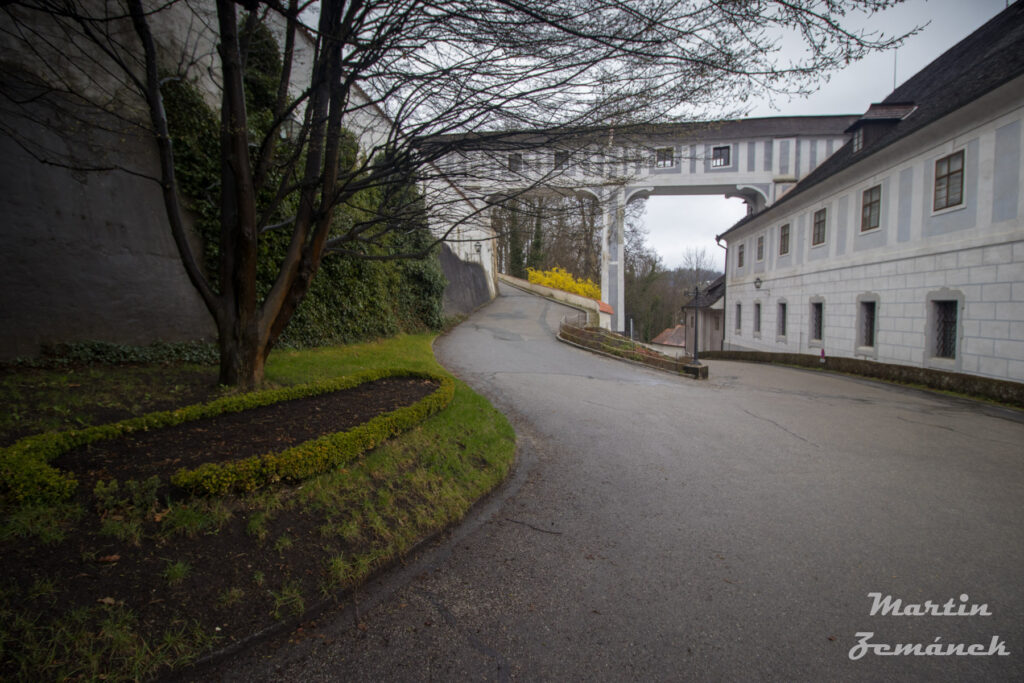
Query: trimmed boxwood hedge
x=27 y=477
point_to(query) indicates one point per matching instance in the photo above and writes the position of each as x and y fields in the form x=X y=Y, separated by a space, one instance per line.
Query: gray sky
x=676 y=223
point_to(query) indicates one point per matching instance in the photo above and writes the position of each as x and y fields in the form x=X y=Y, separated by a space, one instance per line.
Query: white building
x=906 y=245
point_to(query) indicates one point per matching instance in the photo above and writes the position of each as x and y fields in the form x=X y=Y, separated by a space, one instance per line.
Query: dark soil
x=90 y=565
x=235 y=436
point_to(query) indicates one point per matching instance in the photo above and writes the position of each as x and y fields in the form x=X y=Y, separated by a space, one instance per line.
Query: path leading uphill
x=659 y=528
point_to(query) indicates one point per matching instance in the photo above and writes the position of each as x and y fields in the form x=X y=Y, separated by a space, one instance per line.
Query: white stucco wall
x=972 y=253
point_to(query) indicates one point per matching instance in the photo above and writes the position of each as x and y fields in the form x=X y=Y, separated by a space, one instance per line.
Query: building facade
x=906 y=246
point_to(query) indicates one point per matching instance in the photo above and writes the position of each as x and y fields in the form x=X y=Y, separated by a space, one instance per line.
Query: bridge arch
x=757 y=160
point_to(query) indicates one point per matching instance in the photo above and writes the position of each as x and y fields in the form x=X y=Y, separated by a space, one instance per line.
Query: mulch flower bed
x=235 y=436
x=234 y=585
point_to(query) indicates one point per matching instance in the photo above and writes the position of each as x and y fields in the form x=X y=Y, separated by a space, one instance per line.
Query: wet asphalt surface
x=659 y=528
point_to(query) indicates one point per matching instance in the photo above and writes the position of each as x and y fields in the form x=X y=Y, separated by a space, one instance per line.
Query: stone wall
x=467 y=288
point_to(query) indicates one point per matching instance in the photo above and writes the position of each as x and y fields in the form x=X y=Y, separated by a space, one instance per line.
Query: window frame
x=861 y=339
x=721 y=156
x=784 y=232
x=858 y=140
x=871 y=207
x=515 y=162
x=816 y=322
x=934 y=301
x=945 y=177
x=944 y=329
x=660 y=161
x=823 y=224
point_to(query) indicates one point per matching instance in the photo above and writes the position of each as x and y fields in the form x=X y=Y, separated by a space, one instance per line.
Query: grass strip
x=78 y=600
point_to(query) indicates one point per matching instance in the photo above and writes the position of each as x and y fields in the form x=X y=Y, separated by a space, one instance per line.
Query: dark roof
x=884 y=112
x=672 y=336
x=709 y=295
x=983 y=61
x=768 y=126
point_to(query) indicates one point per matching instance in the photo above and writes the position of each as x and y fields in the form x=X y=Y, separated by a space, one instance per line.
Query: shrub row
x=601 y=341
x=560 y=278
x=313 y=457
x=27 y=477
x=109 y=353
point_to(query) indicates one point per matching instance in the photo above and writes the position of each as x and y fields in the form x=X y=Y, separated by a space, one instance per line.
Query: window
x=781 y=318
x=784 y=240
x=866 y=326
x=561 y=160
x=760 y=248
x=739 y=317
x=664 y=157
x=818 y=234
x=515 y=162
x=858 y=140
x=871 y=208
x=949 y=181
x=739 y=256
x=817 y=320
x=757 y=318
x=945 y=328
x=718 y=323
x=720 y=156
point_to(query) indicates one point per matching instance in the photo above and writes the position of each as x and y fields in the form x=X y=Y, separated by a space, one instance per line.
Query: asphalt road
x=660 y=528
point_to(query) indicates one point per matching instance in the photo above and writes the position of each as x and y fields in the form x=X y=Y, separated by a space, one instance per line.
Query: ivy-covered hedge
x=27 y=477
x=351 y=298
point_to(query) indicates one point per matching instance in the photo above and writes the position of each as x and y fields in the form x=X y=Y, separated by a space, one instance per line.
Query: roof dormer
x=878 y=120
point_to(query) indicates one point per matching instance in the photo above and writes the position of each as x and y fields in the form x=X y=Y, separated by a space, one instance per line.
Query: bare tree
x=453 y=78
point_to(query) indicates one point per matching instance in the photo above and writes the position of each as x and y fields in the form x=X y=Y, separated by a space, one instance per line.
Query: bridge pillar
x=613 y=266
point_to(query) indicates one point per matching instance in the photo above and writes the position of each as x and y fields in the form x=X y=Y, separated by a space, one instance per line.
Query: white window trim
x=963 y=190
x=824 y=242
x=881 y=210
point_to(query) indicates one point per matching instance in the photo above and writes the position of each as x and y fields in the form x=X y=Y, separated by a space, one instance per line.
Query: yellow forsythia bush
x=560 y=278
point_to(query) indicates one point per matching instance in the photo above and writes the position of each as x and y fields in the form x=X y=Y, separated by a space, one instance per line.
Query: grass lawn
x=130 y=583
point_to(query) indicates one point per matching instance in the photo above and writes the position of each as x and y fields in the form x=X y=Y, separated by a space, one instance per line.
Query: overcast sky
x=676 y=223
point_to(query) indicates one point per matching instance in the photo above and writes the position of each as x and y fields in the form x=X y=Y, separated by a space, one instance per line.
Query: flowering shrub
x=560 y=278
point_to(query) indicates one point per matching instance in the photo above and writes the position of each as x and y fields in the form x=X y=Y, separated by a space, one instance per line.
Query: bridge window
x=949 y=181
x=720 y=156
x=665 y=157
x=871 y=208
x=784 y=240
x=818 y=234
x=515 y=162
x=561 y=160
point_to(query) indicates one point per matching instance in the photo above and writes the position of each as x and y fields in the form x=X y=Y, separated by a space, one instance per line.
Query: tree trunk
x=242 y=359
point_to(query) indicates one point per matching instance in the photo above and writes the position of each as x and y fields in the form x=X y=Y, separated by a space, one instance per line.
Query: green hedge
x=27 y=477
x=313 y=457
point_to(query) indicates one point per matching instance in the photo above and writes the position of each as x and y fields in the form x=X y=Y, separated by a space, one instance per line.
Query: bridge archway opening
x=681 y=222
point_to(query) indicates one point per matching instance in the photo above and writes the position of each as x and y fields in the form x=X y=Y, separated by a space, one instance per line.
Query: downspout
x=725 y=291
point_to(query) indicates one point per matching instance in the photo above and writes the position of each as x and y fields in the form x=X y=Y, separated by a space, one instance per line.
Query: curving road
x=659 y=528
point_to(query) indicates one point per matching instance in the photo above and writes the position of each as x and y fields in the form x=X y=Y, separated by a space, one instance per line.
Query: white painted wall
x=973 y=252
